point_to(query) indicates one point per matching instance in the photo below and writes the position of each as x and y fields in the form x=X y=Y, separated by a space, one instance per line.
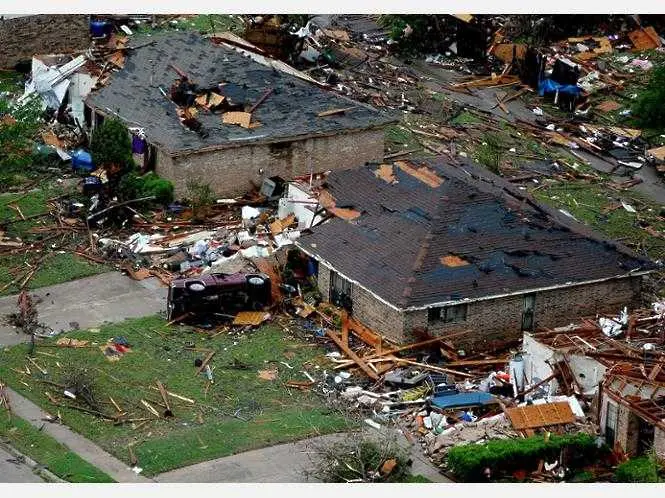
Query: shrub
x=649 y=110
x=360 y=459
x=201 y=198
x=469 y=461
x=640 y=469
x=134 y=186
x=112 y=145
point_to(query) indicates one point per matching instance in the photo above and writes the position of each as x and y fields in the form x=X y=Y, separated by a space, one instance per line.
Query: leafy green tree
x=649 y=110
x=111 y=145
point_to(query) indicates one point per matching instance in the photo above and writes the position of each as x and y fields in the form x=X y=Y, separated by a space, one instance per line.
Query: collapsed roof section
x=429 y=233
x=139 y=94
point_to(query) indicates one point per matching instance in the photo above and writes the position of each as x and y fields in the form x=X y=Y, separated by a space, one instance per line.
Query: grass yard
x=46 y=451
x=600 y=207
x=201 y=431
x=58 y=267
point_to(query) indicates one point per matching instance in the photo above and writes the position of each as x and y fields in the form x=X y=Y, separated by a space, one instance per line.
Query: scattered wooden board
x=535 y=416
x=250 y=318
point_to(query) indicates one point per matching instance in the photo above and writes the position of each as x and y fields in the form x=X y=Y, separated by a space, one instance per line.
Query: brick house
x=21 y=37
x=447 y=248
x=289 y=140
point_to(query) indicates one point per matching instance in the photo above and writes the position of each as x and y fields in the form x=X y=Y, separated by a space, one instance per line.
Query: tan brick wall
x=23 y=37
x=383 y=319
x=557 y=307
x=494 y=321
x=235 y=171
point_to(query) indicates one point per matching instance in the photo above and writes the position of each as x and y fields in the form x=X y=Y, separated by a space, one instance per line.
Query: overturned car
x=218 y=294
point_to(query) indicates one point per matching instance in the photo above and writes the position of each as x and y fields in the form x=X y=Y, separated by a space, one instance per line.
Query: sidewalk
x=86 y=449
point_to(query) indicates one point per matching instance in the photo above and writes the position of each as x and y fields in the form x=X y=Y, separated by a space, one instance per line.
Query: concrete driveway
x=89 y=302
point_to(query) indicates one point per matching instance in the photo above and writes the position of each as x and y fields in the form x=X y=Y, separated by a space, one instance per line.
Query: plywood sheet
x=250 y=318
x=535 y=416
x=237 y=118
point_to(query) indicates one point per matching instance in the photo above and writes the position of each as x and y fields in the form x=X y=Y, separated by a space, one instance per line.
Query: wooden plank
x=205 y=362
x=347 y=351
x=477 y=363
x=345 y=327
x=365 y=334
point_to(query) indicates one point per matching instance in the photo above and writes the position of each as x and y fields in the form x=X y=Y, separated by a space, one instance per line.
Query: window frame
x=445 y=314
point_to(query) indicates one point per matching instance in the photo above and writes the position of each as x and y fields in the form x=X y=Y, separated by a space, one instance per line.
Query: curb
x=36 y=467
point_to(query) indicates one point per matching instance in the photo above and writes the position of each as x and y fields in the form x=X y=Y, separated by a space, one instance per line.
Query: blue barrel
x=81 y=160
x=98 y=29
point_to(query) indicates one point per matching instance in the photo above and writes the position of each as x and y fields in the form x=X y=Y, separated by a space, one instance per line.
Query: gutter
x=470 y=300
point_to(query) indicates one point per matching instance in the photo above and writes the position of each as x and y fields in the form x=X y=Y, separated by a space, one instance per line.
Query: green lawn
x=587 y=202
x=59 y=266
x=202 y=431
x=46 y=451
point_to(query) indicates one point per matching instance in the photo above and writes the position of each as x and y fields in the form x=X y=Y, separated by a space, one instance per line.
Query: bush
x=360 y=459
x=201 y=198
x=134 y=186
x=649 y=110
x=112 y=145
x=640 y=469
x=507 y=455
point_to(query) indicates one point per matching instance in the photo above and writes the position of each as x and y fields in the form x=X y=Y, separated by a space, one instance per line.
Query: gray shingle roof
x=395 y=247
x=133 y=93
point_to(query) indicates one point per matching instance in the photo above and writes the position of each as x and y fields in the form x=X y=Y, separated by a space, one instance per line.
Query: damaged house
x=232 y=118
x=442 y=248
x=623 y=377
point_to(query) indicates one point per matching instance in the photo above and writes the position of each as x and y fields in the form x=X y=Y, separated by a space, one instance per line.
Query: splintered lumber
x=37 y=366
x=433 y=368
x=332 y=112
x=165 y=398
x=348 y=352
x=535 y=386
x=421 y=344
x=478 y=363
x=363 y=333
x=117 y=407
x=345 y=327
x=150 y=408
x=177 y=396
x=205 y=362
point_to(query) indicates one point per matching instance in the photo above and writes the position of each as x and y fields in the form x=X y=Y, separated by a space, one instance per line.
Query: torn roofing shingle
x=134 y=94
x=408 y=229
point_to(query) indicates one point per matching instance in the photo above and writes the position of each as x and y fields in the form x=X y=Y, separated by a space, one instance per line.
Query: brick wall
x=494 y=321
x=498 y=320
x=23 y=37
x=385 y=320
x=232 y=172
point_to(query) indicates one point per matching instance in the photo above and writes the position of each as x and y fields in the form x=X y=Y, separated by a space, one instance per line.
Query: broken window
x=611 y=423
x=447 y=314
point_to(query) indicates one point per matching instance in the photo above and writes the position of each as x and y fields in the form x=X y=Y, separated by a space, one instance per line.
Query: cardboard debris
x=645 y=38
x=251 y=318
x=66 y=342
x=268 y=374
x=657 y=153
x=50 y=138
x=507 y=52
